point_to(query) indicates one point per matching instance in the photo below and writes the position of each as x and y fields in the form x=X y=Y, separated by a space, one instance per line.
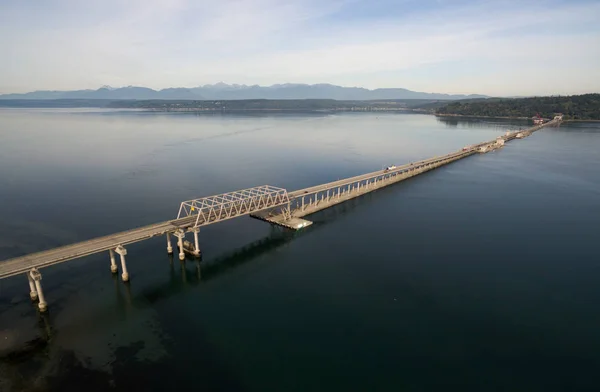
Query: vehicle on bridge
x=392 y=167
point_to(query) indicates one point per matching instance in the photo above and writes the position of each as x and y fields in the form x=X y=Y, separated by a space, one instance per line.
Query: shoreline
x=504 y=117
x=290 y=110
x=184 y=110
x=473 y=116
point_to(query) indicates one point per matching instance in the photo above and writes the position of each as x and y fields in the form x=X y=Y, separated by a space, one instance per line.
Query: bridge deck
x=80 y=249
x=364 y=177
x=321 y=197
x=261 y=210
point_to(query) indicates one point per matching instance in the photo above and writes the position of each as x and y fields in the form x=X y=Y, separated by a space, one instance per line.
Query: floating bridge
x=268 y=203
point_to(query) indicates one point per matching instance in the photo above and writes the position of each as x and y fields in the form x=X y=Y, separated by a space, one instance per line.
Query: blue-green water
x=482 y=275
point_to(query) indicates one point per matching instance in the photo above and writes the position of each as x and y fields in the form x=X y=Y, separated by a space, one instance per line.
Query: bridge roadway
x=414 y=165
x=61 y=254
x=327 y=195
x=64 y=253
x=365 y=177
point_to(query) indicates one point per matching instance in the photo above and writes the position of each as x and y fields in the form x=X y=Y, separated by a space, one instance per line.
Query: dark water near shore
x=480 y=276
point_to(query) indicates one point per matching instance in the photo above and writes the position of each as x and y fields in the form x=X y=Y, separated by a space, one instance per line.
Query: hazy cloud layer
x=490 y=47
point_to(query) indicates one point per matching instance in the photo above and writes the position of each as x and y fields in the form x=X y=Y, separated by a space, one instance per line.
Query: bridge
x=268 y=203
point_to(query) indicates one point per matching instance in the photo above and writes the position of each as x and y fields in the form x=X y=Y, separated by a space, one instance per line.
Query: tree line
x=257 y=104
x=575 y=107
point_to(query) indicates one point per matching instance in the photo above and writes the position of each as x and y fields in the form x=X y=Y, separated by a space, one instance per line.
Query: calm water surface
x=480 y=276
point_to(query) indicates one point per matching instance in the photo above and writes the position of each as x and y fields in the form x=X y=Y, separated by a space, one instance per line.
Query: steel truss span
x=207 y=210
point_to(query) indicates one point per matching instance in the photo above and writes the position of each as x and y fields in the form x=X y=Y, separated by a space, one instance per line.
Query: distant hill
x=224 y=91
x=574 y=107
x=56 y=103
x=264 y=105
x=231 y=104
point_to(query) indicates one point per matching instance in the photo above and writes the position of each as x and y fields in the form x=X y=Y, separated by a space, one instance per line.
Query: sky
x=502 y=48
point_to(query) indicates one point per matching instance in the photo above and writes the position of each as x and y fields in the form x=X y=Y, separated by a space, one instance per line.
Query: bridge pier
x=32 y=290
x=169 y=247
x=113 y=263
x=196 y=230
x=122 y=252
x=37 y=278
x=180 y=236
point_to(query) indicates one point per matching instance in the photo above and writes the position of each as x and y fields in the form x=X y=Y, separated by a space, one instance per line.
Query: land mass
x=574 y=107
x=224 y=105
x=272 y=104
x=222 y=91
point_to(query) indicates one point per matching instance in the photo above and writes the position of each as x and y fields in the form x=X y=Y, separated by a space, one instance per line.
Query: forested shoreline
x=575 y=107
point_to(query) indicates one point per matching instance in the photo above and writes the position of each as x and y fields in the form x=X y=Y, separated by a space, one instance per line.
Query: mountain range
x=223 y=91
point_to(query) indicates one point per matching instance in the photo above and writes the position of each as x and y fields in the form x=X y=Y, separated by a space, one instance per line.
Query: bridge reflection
x=193 y=272
x=182 y=276
x=476 y=122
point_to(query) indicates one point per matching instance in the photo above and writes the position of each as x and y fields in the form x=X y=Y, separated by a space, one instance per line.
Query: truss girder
x=228 y=205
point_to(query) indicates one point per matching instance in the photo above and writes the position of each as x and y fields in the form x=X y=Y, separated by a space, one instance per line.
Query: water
x=482 y=275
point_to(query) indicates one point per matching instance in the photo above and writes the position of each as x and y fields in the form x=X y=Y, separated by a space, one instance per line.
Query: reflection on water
x=193 y=272
x=457 y=272
x=477 y=122
x=206 y=270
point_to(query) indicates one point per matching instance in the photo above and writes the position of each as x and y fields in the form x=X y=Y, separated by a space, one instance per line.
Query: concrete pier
x=32 y=289
x=196 y=251
x=113 y=264
x=123 y=252
x=169 y=247
x=180 y=234
x=37 y=278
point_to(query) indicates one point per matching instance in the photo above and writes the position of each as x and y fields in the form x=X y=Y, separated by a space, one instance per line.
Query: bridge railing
x=337 y=191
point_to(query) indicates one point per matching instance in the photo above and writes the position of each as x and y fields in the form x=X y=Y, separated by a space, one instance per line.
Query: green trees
x=575 y=107
x=261 y=104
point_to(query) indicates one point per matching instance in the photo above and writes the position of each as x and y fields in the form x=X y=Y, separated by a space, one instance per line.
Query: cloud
x=385 y=43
